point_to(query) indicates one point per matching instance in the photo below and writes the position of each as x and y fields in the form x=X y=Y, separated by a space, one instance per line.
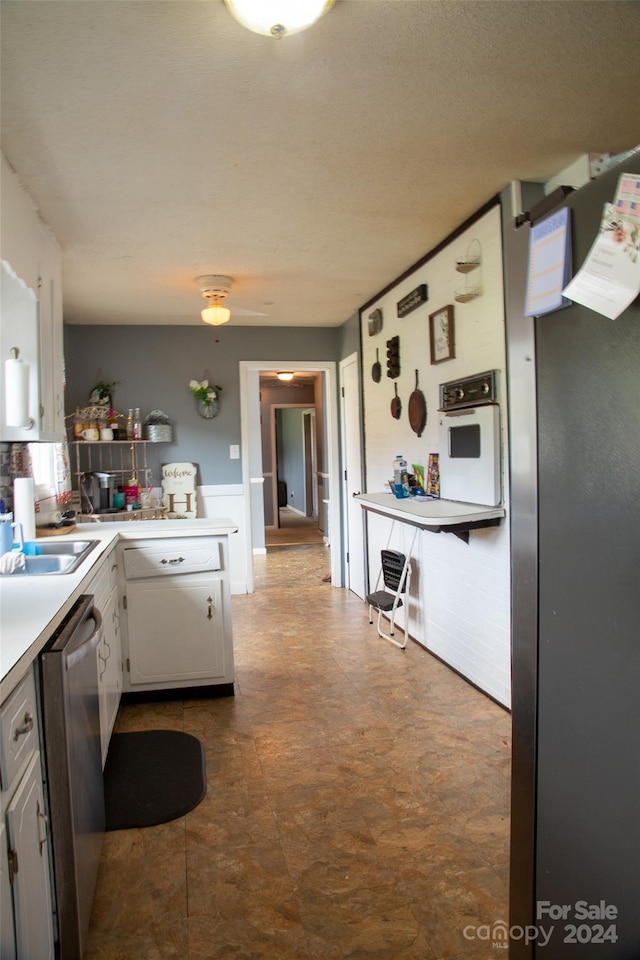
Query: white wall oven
x=470 y=442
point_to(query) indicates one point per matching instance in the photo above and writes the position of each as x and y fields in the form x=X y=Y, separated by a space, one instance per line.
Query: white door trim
x=330 y=406
x=354 y=541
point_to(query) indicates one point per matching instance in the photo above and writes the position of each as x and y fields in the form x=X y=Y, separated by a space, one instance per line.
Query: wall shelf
x=123 y=458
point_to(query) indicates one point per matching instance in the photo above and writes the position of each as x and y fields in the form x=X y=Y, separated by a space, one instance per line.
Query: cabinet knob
x=210 y=608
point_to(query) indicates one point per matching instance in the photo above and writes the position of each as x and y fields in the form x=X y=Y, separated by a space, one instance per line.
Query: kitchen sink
x=54 y=558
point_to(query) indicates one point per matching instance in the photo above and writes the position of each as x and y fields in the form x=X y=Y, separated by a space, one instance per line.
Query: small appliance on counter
x=97 y=491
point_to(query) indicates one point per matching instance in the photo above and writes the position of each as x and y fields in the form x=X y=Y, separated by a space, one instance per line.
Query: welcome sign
x=179 y=490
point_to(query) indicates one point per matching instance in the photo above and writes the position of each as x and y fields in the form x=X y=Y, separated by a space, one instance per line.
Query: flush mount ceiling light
x=214 y=289
x=285 y=375
x=277 y=18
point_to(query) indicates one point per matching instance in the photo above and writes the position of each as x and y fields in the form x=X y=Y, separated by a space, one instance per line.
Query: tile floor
x=357 y=804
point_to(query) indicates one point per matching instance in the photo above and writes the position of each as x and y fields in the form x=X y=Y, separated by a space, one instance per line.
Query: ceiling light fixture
x=285 y=375
x=277 y=18
x=214 y=289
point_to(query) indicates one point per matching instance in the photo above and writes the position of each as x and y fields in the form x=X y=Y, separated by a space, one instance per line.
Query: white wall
x=460 y=594
x=227 y=500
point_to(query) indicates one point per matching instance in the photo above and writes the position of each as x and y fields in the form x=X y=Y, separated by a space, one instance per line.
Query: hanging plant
x=102 y=393
x=207 y=398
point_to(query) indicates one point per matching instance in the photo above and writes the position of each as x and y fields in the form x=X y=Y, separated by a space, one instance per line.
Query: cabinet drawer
x=103 y=581
x=160 y=558
x=19 y=729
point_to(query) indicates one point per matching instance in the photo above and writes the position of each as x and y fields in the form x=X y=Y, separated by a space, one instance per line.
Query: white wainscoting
x=227 y=500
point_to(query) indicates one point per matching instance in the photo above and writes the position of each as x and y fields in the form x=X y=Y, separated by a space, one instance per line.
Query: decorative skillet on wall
x=396 y=404
x=376 y=369
x=417 y=410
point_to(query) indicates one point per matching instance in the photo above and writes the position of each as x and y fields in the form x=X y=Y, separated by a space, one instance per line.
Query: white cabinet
x=109 y=670
x=7 y=932
x=32 y=257
x=178 y=613
x=24 y=850
x=104 y=587
x=19 y=329
x=176 y=631
x=51 y=365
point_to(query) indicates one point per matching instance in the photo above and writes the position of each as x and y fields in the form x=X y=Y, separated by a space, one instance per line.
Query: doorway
x=291 y=484
x=255 y=457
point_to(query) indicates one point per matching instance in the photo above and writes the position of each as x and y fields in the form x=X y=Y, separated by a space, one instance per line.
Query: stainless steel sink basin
x=65 y=548
x=54 y=558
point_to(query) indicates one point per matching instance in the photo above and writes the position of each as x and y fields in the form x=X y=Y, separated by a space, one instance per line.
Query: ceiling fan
x=215 y=288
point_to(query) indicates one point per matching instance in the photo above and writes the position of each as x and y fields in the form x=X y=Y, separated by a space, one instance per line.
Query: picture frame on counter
x=441 y=335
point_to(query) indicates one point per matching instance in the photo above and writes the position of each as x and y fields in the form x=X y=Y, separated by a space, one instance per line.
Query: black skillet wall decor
x=393 y=358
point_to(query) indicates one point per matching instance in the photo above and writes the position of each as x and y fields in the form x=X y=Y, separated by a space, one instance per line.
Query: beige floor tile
x=357 y=798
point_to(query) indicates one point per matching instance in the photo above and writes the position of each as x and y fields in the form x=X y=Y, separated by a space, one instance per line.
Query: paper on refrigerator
x=609 y=279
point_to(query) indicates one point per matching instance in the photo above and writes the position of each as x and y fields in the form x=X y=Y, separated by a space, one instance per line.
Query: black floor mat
x=152 y=776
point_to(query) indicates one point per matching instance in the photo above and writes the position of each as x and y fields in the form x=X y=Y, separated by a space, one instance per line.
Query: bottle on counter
x=78 y=425
x=131 y=490
x=137 y=425
x=130 y=424
x=400 y=477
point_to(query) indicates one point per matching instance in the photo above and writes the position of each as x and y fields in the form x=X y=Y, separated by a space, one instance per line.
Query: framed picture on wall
x=441 y=335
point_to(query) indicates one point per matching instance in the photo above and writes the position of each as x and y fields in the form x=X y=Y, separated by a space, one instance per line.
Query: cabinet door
x=176 y=629
x=7 y=937
x=51 y=345
x=109 y=670
x=19 y=328
x=27 y=829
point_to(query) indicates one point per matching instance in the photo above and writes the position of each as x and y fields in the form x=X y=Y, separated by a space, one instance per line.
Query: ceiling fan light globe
x=216 y=315
x=277 y=18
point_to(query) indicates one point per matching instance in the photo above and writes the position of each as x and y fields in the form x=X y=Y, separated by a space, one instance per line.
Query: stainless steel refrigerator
x=574 y=400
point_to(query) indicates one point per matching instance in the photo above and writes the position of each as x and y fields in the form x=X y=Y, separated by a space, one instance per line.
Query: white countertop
x=32 y=607
x=435 y=515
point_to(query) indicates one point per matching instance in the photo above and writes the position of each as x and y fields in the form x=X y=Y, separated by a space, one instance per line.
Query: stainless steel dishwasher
x=71 y=723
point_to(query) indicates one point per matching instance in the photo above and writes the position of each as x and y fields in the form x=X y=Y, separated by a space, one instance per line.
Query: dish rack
x=124 y=459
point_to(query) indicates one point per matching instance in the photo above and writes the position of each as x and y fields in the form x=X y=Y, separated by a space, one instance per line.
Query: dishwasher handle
x=88 y=645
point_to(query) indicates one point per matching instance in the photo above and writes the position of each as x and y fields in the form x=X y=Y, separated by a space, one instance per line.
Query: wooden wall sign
x=412 y=300
x=179 y=490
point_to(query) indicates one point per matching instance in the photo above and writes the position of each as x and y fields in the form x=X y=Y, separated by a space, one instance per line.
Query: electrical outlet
x=234 y=451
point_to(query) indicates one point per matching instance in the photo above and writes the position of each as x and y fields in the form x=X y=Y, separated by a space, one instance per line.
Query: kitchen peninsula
x=32 y=607
x=147 y=609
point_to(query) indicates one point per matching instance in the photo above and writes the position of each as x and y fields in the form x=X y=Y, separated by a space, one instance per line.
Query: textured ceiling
x=161 y=140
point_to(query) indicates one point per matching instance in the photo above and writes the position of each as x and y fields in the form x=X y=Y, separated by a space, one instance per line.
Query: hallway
x=357 y=805
x=293 y=529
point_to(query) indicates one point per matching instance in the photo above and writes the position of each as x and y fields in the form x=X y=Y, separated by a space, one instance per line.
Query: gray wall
x=291 y=456
x=349 y=337
x=155 y=364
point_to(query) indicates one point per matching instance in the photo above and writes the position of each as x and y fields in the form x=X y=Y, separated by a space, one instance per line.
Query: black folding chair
x=395 y=574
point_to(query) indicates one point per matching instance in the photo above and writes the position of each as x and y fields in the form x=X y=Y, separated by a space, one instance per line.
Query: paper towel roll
x=16 y=405
x=24 y=511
